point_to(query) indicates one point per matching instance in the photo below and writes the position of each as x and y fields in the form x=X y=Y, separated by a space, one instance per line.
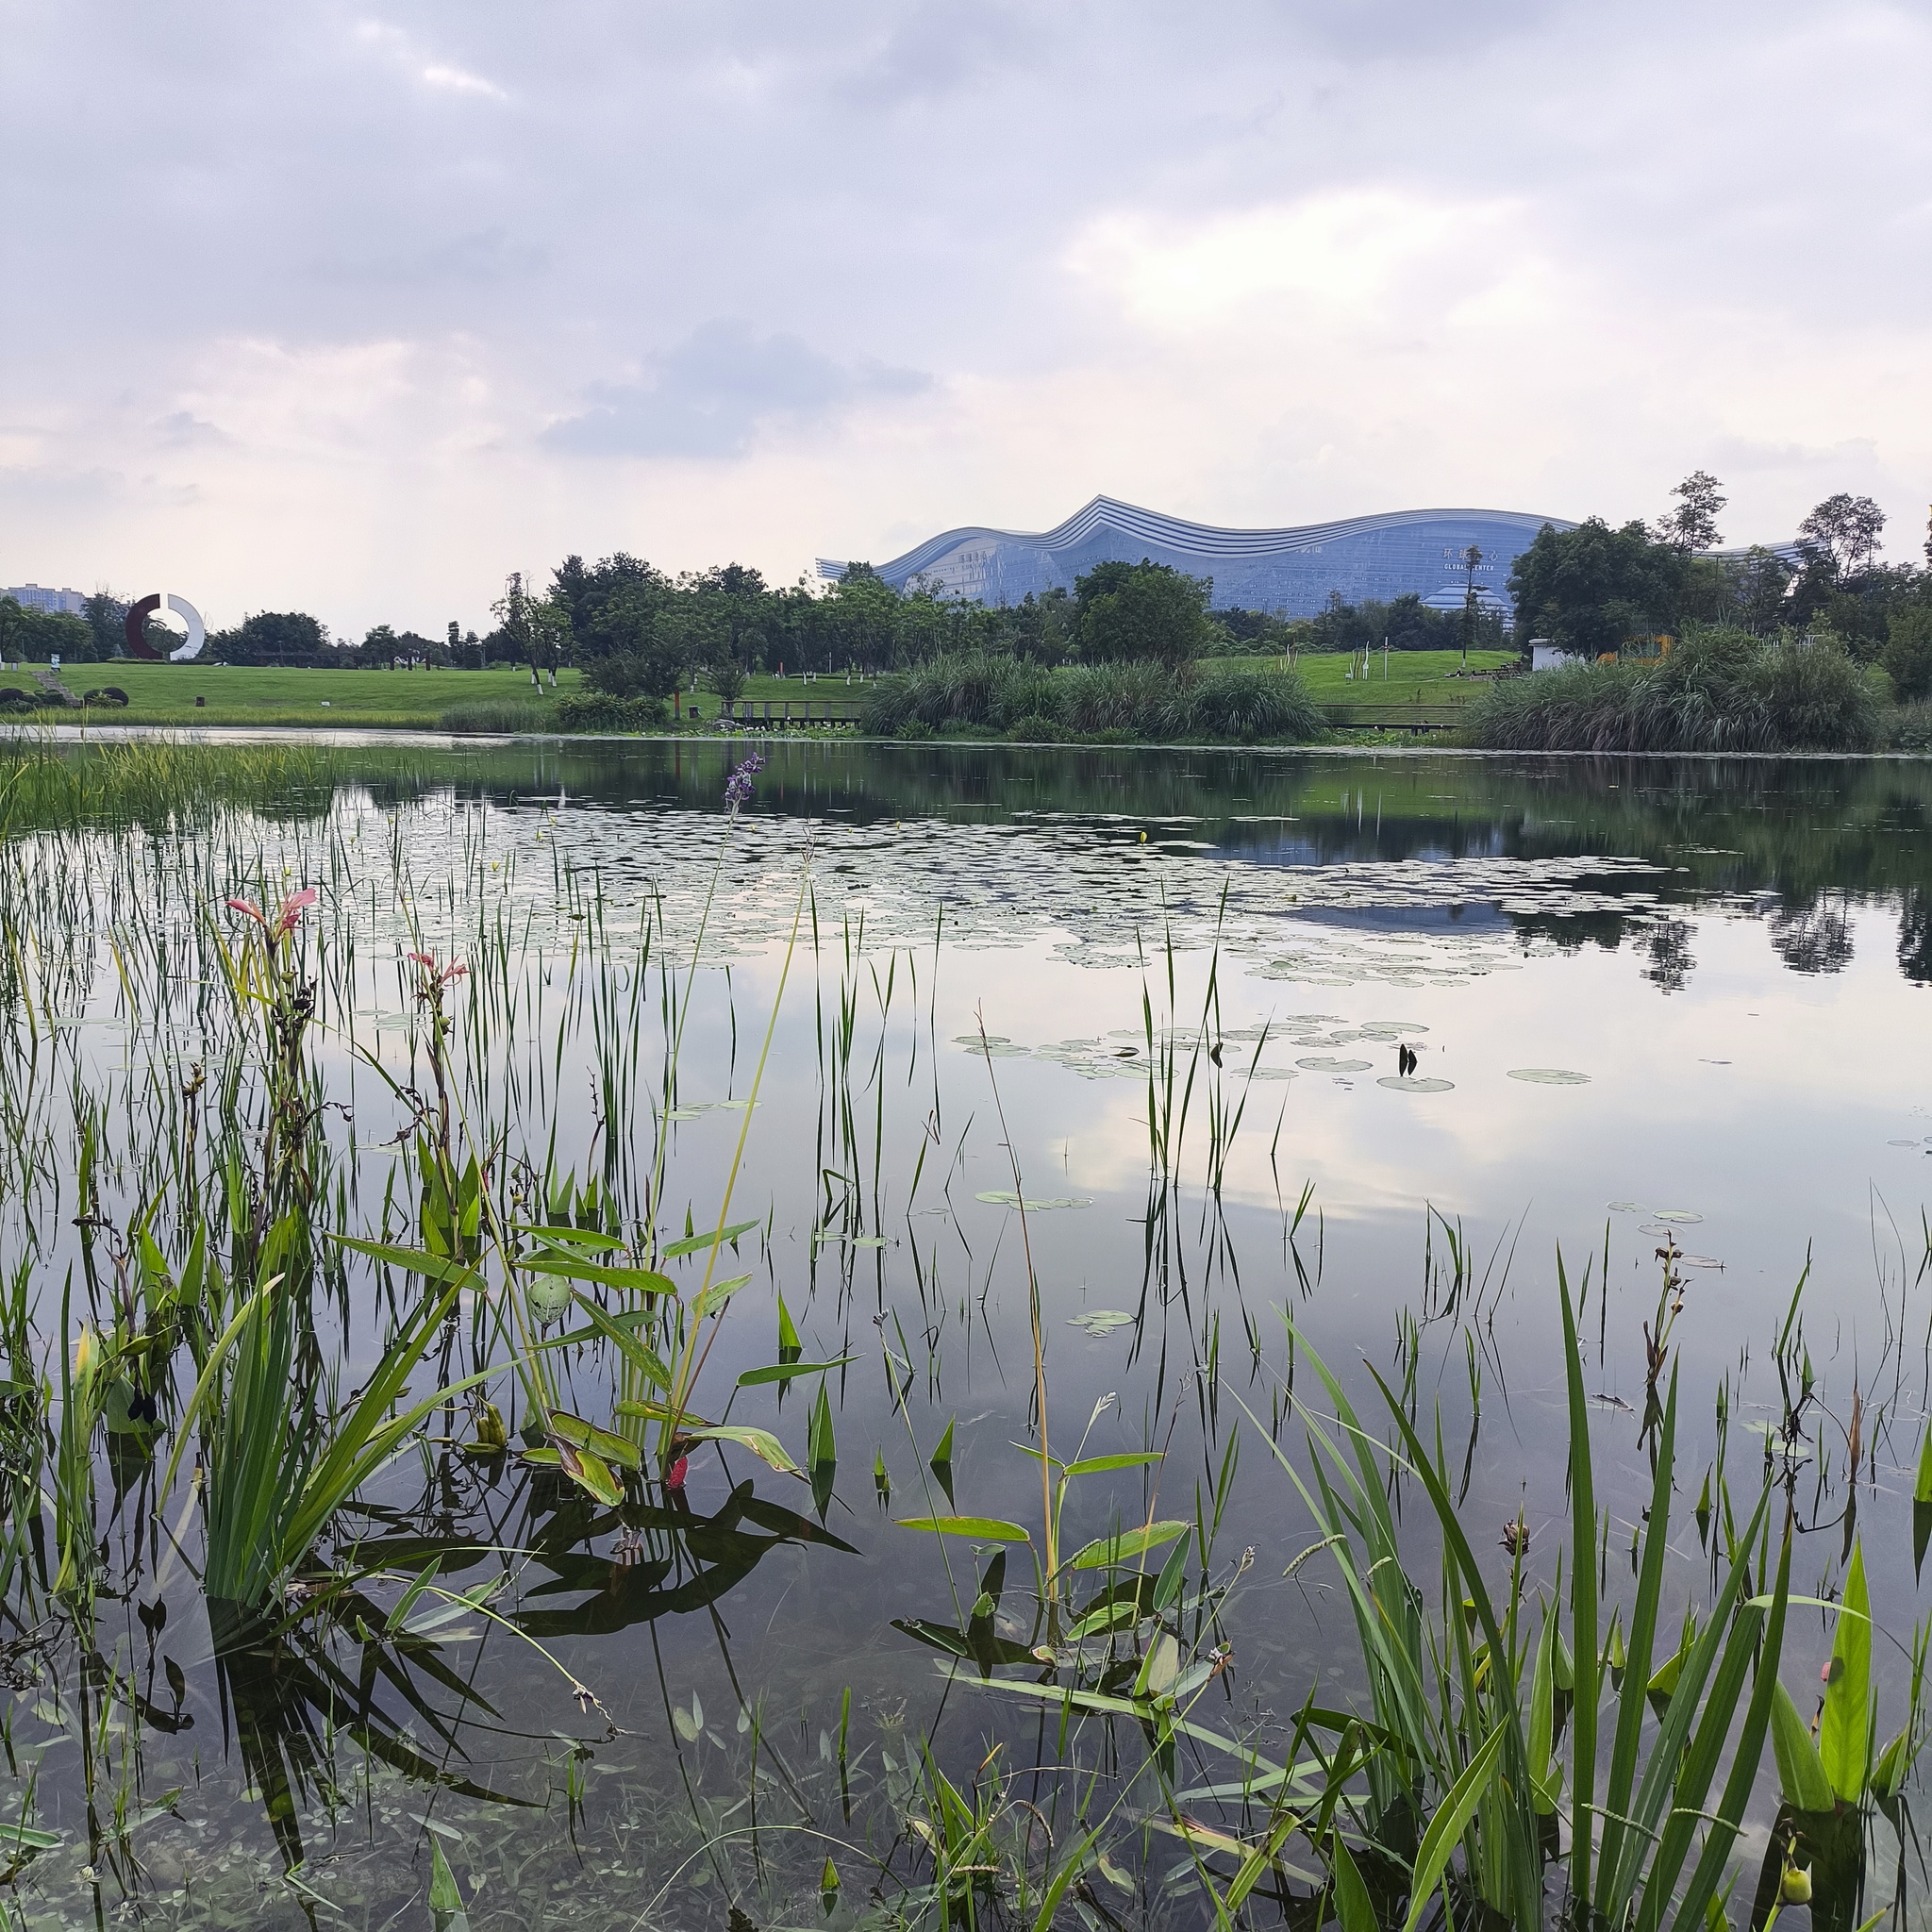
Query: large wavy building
x=1291 y=572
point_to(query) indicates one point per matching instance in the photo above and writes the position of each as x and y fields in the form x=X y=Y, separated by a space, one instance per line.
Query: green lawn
x=1428 y=678
x=238 y=694
x=230 y=695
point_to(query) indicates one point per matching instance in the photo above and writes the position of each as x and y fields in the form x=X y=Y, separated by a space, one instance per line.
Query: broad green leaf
x=1353 y=1904
x=716 y=1296
x=579 y=1434
x=591 y=1473
x=551 y=1261
x=1129 y=1543
x=761 y=1442
x=1545 y=1774
x=621 y=1329
x=568 y=1236
x=423 y=1580
x=24 y=1837
x=1800 y=1775
x=1922 y=1488
x=652 y=1410
x=1158 y=1668
x=1845 y=1733
x=1447 y=1826
x=416 y=1260
x=692 y=1244
x=789 y=1347
x=443 y=1894
x=985 y=1529
x=1092 y=1465
x=821 y=1447
x=784 y=1372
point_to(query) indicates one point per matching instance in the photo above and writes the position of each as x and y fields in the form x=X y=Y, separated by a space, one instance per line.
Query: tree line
x=1594 y=590
x=636 y=631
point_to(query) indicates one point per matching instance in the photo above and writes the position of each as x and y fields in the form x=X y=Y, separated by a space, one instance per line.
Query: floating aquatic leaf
x=1318 y=1065
x=1625 y=1207
x=1549 y=1077
x=1098 y=1321
x=1681 y=1215
x=1699 y=1261
x=1412 y=1085
x=1005 y=1197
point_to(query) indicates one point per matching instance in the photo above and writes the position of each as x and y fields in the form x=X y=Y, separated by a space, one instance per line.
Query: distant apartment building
x=55 y=603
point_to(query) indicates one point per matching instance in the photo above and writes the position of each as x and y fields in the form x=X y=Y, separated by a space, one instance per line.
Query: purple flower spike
x=738 y=787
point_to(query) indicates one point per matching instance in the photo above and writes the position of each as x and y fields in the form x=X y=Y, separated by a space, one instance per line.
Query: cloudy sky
x=355 y=309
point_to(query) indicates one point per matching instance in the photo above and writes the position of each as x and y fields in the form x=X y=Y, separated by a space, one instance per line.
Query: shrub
x=1035 y=730
x=914 y=729
x=1246 y=704
x=1907 y=654
x=1909 y=728
x=1719 y=691
x=1136 y=697
x=597 y=711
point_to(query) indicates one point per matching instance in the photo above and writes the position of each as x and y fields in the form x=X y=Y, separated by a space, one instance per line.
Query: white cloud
x=830 y=282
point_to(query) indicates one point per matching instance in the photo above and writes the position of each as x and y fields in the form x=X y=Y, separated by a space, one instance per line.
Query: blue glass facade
x=1290 y=572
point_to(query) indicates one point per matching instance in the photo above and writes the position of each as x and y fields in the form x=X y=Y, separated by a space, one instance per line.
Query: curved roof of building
x=1294 y=570
x=1202 y=540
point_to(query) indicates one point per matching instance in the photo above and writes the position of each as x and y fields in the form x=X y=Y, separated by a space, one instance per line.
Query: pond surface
x=1362 y=1043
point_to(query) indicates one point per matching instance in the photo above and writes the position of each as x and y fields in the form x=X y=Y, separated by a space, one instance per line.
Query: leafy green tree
x=1845 y=531
x=1145 y=611
x=271 y=636
x=1907 y=654
x=1589 y=589
x=1759 y=582
x=1691 y=526
x=35 y=637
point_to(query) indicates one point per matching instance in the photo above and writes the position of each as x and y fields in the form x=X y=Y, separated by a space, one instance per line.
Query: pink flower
x=293 y=907
x=674 y=1479
x=287 y=918
x=428 y=961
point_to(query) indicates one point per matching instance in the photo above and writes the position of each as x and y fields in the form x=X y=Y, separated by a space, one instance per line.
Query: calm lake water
x=1422 y=1024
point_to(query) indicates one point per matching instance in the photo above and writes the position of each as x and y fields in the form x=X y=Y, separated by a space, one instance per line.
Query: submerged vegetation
x=446 y=1312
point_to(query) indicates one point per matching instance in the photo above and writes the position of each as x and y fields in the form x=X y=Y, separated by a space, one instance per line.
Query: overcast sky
x=355 y=309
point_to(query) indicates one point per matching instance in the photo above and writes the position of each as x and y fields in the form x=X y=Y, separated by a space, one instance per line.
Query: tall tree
x=1589 y=589
x=1845 y=531
x=1691 y=526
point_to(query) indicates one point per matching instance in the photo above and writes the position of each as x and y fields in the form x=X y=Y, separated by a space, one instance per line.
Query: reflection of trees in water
x=1915 y=937
x=1666 y=944
x=1822 y=835
x=1816 y=938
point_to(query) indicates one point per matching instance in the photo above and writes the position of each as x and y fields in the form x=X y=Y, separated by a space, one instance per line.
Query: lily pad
x=1099 y=1322
x=1412 y=1085
x=1389 y=1029
x=1699 y=1261
x=1626 y=1207
x=1550 y=1077
x=1005 y=1197
x=1318 y=1065
x=1677 y=1214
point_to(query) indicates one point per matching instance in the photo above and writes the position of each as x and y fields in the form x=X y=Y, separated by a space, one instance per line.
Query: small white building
x=1544 y=656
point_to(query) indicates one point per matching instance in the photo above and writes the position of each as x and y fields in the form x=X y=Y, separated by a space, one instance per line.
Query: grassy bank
x=241 y=695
